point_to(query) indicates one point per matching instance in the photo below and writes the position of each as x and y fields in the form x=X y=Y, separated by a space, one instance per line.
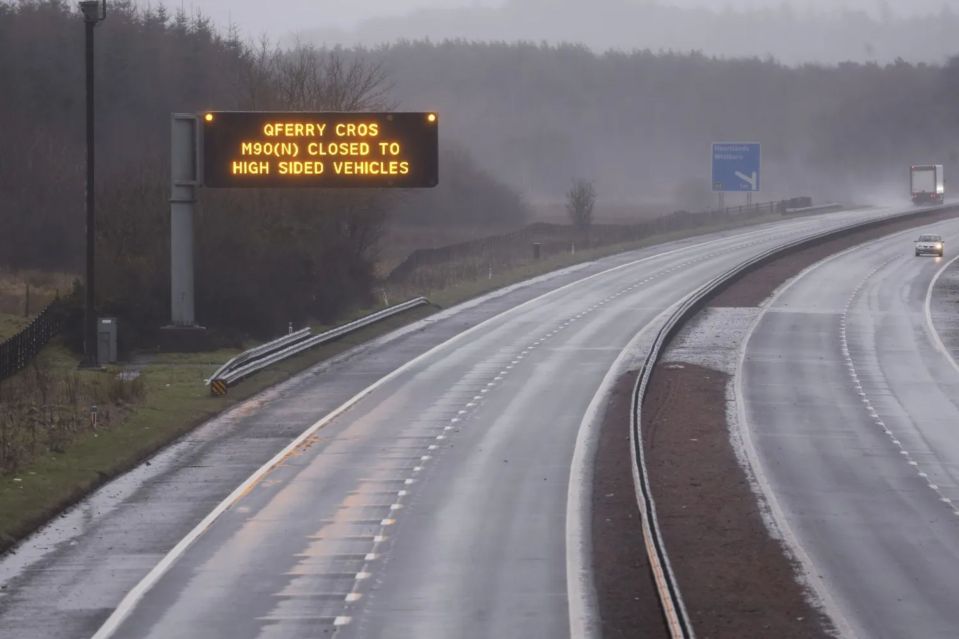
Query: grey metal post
x=184 y=181
x=93 y=12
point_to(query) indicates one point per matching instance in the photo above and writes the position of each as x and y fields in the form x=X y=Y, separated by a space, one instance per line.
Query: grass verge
x=10 y=325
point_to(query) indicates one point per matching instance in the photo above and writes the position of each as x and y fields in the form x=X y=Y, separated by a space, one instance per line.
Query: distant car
x=930 y=245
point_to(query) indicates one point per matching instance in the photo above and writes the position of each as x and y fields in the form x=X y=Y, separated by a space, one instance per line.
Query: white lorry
x=927 y=183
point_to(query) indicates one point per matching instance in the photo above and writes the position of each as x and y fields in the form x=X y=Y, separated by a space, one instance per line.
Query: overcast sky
x=280 y=18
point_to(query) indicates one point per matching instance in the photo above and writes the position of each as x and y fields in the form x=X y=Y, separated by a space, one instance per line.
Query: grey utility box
x=107 y=340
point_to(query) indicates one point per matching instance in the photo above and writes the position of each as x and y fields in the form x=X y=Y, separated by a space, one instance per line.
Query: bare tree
x=311 y=79
x=580 y=201
x=255 y=78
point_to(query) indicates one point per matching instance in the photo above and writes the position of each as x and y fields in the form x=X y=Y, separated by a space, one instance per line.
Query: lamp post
x=93 y=12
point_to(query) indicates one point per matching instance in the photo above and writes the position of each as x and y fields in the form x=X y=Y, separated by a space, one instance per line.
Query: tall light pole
x=93 y=12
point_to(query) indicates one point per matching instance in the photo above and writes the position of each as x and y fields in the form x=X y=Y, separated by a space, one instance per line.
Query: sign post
x=94 y=12
x=266 y=149
x=736 y=168
x=185 y=178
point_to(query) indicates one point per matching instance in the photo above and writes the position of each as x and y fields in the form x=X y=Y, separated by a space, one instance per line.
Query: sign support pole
x=89 y=309
x=184 y=181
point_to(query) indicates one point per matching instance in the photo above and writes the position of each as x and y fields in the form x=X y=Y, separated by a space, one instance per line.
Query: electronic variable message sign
x=320 y=150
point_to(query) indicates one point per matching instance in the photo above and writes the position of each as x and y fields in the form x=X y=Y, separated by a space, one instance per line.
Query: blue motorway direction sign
x=736 y=167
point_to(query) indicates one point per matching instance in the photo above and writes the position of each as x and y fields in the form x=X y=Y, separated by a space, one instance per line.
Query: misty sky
x=281 y=18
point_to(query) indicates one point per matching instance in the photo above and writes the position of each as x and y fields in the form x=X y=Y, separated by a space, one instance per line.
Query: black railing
x=19 y=350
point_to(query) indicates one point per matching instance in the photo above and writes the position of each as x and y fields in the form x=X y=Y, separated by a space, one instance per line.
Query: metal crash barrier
x=256 y=359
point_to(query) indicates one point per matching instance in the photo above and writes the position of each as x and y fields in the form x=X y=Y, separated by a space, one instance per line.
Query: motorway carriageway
x=446 y=500
x=850 y=407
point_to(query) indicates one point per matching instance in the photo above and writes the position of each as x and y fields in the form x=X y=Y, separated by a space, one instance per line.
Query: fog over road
x=854 y=416
x=253 y=20
x=437 y=505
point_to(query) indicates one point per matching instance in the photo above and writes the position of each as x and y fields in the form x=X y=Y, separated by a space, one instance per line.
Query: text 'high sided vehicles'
x=927 y=184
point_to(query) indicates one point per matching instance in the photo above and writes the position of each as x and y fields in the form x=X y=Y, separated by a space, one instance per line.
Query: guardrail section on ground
x=256 y=359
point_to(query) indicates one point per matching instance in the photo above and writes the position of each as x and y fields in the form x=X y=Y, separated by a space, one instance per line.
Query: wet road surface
x=853 y=414
x=438 y=503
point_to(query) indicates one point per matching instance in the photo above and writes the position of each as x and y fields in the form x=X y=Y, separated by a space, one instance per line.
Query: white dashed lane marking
x=501 y=372
x=870 y=409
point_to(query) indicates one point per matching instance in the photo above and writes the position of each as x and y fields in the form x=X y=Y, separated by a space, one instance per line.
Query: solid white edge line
x=580 y=585
x=930 y=326
x=132 y=598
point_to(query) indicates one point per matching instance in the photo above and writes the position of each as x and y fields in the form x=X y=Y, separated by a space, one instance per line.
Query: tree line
x=793 y=32
x=518 y=121
x=641 y=123
x=264 y=257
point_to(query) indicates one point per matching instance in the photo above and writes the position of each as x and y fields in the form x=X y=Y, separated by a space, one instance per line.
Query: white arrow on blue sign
x=736 y=166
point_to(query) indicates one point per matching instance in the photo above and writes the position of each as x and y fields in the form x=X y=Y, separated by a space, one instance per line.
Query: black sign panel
x=320 y=150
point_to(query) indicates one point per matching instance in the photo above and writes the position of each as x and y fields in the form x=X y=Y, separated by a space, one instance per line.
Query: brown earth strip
x=737 y=581
x=628 y=605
